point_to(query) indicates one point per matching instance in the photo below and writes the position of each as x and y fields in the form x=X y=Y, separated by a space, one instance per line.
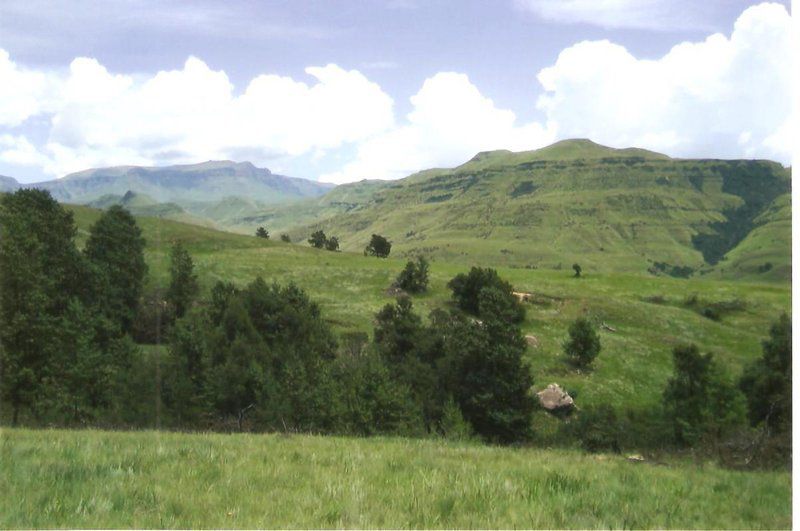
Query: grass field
x=93 y=479
x=636 y=359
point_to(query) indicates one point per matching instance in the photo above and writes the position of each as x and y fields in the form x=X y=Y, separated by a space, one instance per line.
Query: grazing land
x=94 y=479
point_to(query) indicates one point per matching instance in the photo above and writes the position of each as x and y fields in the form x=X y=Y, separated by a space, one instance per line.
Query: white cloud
x=99 y=118
x=658 y=15
x=450 y=122
x=723 y=97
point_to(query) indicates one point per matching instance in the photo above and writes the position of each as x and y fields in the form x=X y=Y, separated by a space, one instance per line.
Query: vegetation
x=285 y=238
x=577 y=269
x=378 y=246
x=88 y=479
x=583 y=344
x=183 y=286
x=467 y=290
x=414 y=277
x=700 y=399
x=261 y=232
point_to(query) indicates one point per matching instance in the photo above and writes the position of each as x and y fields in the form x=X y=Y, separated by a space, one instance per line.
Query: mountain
x=207 y=182
x=575 y=201
x=8 y=184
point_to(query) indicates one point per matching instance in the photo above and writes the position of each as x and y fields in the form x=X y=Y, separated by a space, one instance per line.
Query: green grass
x=632 y=368
x=92 y=479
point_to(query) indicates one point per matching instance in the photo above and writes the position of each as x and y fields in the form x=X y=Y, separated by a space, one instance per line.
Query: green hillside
x=575 y=201
x=92 y=479
x=647 y=312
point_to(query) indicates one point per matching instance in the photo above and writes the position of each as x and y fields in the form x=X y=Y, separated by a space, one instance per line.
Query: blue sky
x=348 y=90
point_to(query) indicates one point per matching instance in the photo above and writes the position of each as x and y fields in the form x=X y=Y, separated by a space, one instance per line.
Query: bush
x=378 y=246
x=318 y=239
x=767 y=382
x=583 y=344
x=699 y=399
x=467 y=292
x=414 y=278
x=332 y=244
x=598 y=429
x=261 y=232
x=285 y=238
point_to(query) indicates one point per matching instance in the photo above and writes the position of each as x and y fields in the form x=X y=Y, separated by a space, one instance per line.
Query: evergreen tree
x=699 y=399
x=414 y=277
x=467 y=290
x=183 y=286
x=116 y=247
x=42 y=272
x=332 y=244
x=583 y=344
x=767 y=382
x=261 y=232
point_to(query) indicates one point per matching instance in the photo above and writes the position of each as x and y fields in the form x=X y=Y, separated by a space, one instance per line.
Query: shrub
x=332 y=244
x=414 y=278
x=598 y=429
x=285 y=238
x=699 y=399
x=467 y=292
x=583 y=344
x=767 y=382
x=261 y=232
x=318 y=239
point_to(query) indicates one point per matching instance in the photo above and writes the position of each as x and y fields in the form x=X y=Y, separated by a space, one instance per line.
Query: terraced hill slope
x=574 y=201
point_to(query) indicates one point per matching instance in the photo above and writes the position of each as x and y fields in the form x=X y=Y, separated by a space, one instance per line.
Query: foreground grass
x=92 y=479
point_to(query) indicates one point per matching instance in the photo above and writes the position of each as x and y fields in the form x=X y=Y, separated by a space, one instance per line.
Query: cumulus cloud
x=450 y=121
x=723 y=97
x=101 y=118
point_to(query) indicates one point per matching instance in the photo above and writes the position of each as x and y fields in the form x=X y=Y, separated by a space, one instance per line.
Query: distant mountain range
x=183 y=184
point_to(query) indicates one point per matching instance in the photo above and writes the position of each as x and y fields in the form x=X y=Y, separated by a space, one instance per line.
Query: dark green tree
x=285 y=238
x=485 y=372
x=467 y=290
x=378 y=246
x=767 y=382
x=42 y=272
x=583 y=344
x=318 y=239
x=261 y=232
x=116 y=247
x=414 y=277
x=332 y=244
x=183 y=287
x=577 y=269
x=700 y=399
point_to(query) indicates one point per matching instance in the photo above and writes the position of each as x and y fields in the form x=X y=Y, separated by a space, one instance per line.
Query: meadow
x=95 y=479
x=647 y=313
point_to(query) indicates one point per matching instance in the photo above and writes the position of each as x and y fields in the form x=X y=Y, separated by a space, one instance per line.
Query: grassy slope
x=92 y=479
x=636 y=359
x=575 y=201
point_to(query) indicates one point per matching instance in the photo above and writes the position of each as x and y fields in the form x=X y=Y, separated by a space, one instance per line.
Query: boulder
x=532 y=341
x=554 y=399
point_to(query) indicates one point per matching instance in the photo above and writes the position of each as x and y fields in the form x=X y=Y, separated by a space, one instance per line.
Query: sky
x=346 y=90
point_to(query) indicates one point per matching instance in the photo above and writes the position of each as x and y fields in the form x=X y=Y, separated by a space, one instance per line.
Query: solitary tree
x=261 y=232
x=378 y=246
x=583 y=344
x=285 y=238
x=116 y=247
x=318 y=239
x=183 y=286
x=577 y=269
